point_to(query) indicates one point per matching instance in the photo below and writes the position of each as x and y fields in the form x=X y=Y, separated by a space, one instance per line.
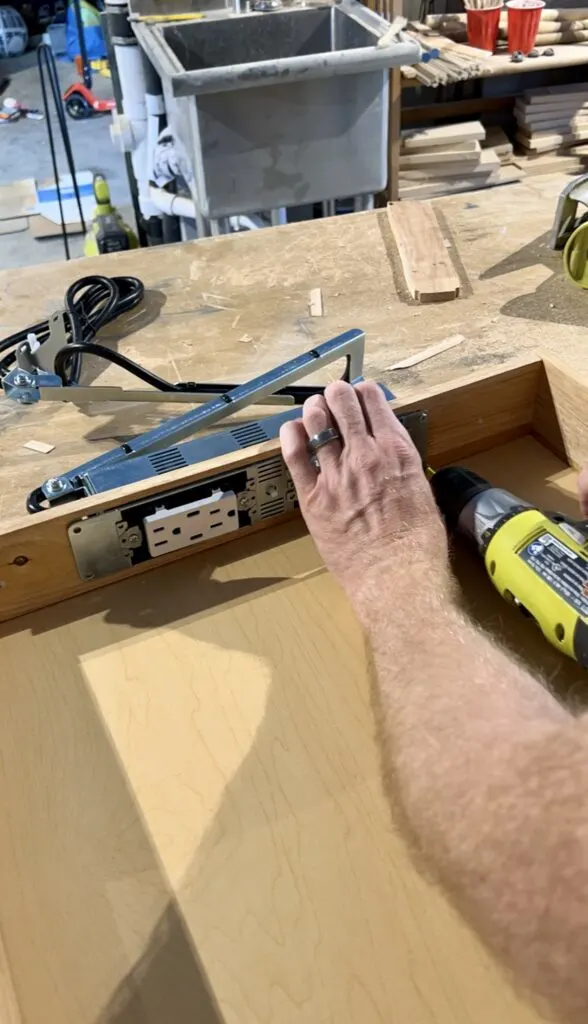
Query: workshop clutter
x=444 y=60
x=553 y=120
x=554 y=26
x=453 y=158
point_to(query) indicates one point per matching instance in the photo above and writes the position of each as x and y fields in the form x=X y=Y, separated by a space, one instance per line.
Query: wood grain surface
x=228 y=308
x=193 y=821
x=197 y=830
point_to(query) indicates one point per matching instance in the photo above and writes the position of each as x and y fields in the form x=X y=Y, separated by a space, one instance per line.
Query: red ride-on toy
x=80 y=102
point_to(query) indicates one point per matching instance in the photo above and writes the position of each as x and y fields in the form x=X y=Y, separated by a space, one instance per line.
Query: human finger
x=344 y=406
x=294 y=441
x=317 y=418
x=382 y=421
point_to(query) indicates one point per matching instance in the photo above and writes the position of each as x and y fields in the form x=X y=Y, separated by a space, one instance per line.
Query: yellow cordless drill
x=538 y=561
x=108 y=231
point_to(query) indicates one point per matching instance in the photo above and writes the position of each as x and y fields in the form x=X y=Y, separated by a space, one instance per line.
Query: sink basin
x=280 y=108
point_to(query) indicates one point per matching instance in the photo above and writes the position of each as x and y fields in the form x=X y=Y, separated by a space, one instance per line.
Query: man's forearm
x=492 y=774
x=478 y=755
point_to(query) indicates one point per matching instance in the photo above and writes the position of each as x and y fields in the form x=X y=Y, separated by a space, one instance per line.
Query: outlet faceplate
x=170 y=529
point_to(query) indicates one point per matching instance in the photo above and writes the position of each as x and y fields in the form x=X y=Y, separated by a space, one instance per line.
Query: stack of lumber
x=445 y=61
x=556 y=26
x=437 y=161
x=553 y=121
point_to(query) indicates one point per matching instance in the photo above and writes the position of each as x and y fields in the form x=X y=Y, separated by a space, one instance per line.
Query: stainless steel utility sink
x=279 y=108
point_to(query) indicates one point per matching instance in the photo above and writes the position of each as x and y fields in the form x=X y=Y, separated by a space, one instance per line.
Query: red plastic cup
x=523 y=23
x=483 y=27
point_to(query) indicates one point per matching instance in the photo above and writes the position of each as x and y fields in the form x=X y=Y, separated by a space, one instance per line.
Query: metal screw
x=243 y=501
x=21 y=380
x=272 y=491
x=56 y=484
x=20 y=560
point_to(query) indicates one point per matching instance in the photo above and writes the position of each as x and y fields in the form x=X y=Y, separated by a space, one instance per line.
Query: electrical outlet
x=170 y=529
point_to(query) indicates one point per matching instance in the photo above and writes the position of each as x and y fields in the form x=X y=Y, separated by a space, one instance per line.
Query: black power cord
x=94 y=301
x=90 y=304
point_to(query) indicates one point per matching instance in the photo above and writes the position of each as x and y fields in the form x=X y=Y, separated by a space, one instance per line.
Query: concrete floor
x=24 y=153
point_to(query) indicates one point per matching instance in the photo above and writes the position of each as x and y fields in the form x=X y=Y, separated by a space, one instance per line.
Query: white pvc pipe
x=166 y=202
x=141 y=123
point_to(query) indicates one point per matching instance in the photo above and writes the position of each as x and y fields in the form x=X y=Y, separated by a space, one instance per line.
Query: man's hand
x=370 y=509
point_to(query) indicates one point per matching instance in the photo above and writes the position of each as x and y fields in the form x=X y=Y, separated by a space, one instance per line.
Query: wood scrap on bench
x=428 y=270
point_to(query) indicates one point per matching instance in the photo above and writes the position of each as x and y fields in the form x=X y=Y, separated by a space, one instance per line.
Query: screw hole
x=560 y=632
x=20 y=560
x=492 y=568
x=77 y=529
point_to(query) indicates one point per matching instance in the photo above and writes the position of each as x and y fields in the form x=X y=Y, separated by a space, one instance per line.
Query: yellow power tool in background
x=108 y=231
x=538 y=561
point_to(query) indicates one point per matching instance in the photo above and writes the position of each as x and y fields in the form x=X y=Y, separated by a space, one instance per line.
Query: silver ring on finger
x=324 y=437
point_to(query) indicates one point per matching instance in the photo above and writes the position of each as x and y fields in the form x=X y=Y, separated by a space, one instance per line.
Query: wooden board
x=427 y=266
x=431 y=158
x=172 y=773
x=197 y=829
x=563 y=104
x=446 y=135
x=533 y=96
x=486 y=164
x=504 y=175
x=545 y=141
x=37 y=566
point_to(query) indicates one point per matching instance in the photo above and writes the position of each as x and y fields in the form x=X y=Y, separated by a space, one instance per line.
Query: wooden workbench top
x=194 y=828
x=229 y=308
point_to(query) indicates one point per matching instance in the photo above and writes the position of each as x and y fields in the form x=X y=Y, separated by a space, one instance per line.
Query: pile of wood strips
x=455 y=62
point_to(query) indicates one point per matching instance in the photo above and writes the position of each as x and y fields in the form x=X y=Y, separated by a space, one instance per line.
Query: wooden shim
x=452 y=186
x=543 y=143
x=451 y=135
x=469 y=146
x=487 y=164
x=558 y=125
x=565 y=104
x=428 y=353
x=427 y=266
x=539 y=95
x=433 y=157
x=315 y=302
